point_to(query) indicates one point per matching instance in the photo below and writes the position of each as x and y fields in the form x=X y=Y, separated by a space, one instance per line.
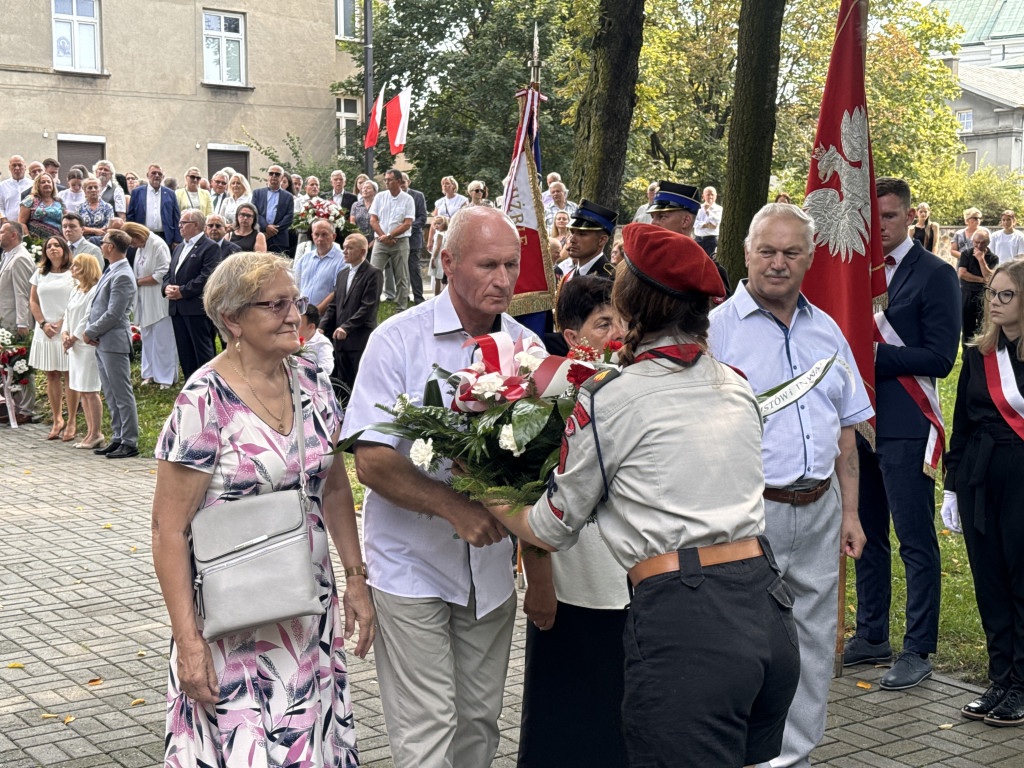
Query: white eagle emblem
x=842 y=219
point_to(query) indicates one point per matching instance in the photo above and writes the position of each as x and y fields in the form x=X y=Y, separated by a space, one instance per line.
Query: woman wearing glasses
x=984 y=494
x=192 y=195
x=247 y=235
x=961 y=242
x=276 y=694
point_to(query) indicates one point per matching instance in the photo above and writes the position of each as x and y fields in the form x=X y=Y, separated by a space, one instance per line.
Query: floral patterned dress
x=284 y=695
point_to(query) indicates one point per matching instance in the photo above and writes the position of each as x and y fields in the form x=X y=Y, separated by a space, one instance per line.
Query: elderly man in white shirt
x=709 y=217
x=439 y=564
x=110 y=190
x=12 y=190
x=391 y=216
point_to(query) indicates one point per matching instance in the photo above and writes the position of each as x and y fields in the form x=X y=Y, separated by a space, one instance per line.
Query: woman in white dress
x=83 y=375
x=159 y=353
x=51 y=287
x=239 y=192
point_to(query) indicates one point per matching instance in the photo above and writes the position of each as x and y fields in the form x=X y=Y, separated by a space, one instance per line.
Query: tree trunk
x=605 y=109
x=752 y=129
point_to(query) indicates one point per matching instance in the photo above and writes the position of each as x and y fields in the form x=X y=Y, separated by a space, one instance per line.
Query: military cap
x=670 y=262
x=673 y=197
x=594 y=217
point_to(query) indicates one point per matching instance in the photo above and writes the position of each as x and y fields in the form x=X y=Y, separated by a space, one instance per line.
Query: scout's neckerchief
x=684 y=355
x=924 y=393
x=1002 y=388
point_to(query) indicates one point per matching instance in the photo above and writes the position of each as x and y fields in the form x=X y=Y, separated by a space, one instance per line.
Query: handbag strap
x=300 y=424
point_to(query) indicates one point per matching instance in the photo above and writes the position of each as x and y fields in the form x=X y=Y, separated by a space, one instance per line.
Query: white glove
x=950 y=513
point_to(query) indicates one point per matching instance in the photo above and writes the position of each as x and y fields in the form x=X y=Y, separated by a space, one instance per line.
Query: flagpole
x=368 y=75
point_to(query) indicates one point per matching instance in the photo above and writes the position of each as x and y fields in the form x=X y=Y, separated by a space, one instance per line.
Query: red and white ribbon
x=1002 y=387
x=505 y=370
x=924 y=393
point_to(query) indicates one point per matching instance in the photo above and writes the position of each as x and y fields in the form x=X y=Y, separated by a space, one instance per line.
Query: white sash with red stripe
x=1002 y=387
x=924 y=393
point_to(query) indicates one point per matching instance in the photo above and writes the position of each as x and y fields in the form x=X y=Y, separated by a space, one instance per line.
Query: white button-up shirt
x=800 y=442
x=897 y=253
x=392 y=211
x=409 y=554
x=708 y=221
x=153 y=199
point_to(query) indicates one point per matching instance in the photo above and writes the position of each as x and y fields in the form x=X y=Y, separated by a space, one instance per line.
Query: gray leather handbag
x=251 y=556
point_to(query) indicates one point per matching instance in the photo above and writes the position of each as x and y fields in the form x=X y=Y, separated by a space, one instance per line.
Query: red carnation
x=302 y=340
x=614 y=346
x=583 y=352
x=578 y=374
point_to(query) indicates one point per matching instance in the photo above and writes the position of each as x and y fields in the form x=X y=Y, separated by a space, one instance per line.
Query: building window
x=345 y=10
x=966 y=119
x=348 y=123
x=76 y=35
x=223 y=48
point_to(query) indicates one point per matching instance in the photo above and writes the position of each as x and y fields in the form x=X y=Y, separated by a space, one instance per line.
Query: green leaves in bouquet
x=529 y=416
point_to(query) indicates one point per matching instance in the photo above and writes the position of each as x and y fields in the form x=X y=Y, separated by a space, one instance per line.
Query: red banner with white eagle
x=535 y=288
x=847 y=278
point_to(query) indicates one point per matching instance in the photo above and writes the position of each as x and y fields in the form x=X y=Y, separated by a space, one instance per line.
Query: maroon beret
x=670 y=262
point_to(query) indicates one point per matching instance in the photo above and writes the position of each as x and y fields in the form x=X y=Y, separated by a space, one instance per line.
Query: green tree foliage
x=688 y=67
x=299 y=161
x=465 y=60
x=950 y=190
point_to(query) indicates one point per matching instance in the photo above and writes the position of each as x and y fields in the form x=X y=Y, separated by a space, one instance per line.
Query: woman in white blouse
x=159 y=353
x=239 y=192
x=83 y=375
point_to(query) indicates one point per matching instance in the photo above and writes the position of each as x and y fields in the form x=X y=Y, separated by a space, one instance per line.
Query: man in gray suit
x=109 y=330
x=16 y=267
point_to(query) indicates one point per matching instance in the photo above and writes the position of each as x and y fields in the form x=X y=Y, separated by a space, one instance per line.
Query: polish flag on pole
x=398 y=120
x=847 y=279
x=373 y=124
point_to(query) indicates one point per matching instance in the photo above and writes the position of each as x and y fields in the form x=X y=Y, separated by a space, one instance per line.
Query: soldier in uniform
x=710 y=643
x=675 y=208
x=591 y=227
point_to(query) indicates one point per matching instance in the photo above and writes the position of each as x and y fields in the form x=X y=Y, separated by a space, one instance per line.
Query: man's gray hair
x=19 y=230
x=220 y=173
x=312 y=176
x=652 y=187
x=782 y=211
x=107 y=163
x=195 y=216
x=557 y=184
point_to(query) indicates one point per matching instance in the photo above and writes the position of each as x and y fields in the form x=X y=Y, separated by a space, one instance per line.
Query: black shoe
x=981 y=706
x=124 y=451
x=111 y=447
x=1009 y=711
x=860 y=651
x=908 y=670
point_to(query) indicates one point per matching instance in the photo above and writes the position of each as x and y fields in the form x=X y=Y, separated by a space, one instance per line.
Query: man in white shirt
x=391 y=216
x=709 y=216
x=642 y=216
x=438 y=564
x=341 y=198
x=551 y=179
x=559 y=203
x=72 y=225
x=218 y=191
x=110 y=190
x=1007 y=243
x=12 y=190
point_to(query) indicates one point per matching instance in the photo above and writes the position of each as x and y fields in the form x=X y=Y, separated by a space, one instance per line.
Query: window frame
x=342 y=117
x=76 y=21
x=965 y=126
x=223 y=36
x=339 y=33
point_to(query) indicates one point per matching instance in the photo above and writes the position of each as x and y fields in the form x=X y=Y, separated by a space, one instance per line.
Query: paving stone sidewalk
x=79 y=602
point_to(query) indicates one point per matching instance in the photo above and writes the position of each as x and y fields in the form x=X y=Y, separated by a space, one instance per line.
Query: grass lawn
x=961 y=639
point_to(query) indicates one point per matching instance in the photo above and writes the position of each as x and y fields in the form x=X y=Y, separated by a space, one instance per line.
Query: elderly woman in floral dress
x=276 y=694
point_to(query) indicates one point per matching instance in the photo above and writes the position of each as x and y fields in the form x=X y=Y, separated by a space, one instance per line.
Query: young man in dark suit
x=192 y=263
x=276 y=208
x=352 y=314
x=922 y=329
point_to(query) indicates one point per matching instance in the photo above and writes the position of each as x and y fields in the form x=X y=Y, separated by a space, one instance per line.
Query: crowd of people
x=697 y=617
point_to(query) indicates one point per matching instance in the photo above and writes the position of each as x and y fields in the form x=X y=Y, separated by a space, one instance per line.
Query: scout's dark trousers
x=711 y=664
x=892 y=482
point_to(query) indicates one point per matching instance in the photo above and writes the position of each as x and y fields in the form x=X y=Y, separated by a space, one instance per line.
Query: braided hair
x=647 y=310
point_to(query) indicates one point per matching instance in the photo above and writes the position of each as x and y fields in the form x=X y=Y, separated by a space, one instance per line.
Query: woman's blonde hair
x=971 y=212
x=986 y=338
x=554 y=227
x=89 y=271
x=237 y=282
x=134 y=230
